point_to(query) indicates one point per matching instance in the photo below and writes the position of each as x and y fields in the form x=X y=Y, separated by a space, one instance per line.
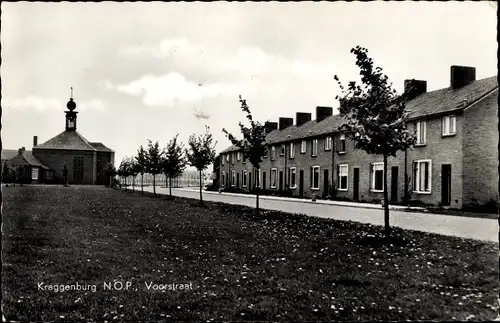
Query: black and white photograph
x=250 y=161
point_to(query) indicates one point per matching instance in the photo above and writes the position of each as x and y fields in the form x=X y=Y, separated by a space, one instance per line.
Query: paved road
x=474 y=228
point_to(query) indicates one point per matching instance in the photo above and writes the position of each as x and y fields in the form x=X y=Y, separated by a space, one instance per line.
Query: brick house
x=85 y=161
x=454 y=162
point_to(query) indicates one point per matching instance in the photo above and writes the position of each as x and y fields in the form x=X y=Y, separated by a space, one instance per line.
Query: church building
x=84 y=161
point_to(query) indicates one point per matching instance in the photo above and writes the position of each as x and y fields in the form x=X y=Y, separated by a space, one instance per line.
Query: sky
x=153 y=70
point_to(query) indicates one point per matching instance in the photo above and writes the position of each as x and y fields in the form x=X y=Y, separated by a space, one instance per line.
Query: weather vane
x=71 y=92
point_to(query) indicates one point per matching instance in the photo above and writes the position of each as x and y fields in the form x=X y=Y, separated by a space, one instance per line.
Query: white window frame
x=373 y=177
x=275 y=171
x=227 y=157
x=342 y=144
x=416 y=188
x=273 y=153
x=35 y=170
x=233 y=178
x=303 y=147
x=314 y=151
x=328 y=143
x=283 y=149
x=238 y=156
x=245 y=176
x=223 y=175
x=346 y=167
x=292 y=150
x=319 y=177
x=421 y=131
x=449 y=126
x=292 y=170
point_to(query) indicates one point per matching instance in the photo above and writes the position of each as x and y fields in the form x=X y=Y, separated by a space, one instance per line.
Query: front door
x=78 y=169
x=394 y=183
x=445 y=184
x=355 y=186
x=325 y=183
x=301 y=183
x=281 y=181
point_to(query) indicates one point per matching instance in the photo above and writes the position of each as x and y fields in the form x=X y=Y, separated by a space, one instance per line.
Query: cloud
x=49 y=104
x=244 y=60
x=168 y=89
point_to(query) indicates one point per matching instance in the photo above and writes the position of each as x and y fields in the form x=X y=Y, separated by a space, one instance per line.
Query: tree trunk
x=142 y=184
x=257 y=193
x=386 y=200
x=154 y=185
x=201 y=195
x=133 y=183
x=170 y=185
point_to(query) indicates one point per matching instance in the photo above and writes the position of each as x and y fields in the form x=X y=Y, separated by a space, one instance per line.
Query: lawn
x=237 y=266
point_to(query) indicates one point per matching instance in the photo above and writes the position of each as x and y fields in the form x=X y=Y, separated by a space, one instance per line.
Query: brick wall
x=55 y=159
x=480 y=159
x=440 y=150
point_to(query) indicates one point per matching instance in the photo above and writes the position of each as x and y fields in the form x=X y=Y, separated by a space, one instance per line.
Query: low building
x=454 y=162
x=84 y=161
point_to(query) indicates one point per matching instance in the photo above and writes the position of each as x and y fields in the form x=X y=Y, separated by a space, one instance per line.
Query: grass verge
x=274 y=266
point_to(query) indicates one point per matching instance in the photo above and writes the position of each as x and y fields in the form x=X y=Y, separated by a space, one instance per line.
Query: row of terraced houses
x=454 y=162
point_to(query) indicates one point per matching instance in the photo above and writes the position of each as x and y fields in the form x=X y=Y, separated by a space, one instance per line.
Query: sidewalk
x=328 y=202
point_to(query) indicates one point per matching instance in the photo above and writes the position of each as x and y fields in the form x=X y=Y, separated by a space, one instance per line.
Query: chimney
x=20 y=151
x=35 y=141
x=414 y=88
x=461 y=76
x=323 y=112
x=285 y=122
x=302 y=117
x=270 y=126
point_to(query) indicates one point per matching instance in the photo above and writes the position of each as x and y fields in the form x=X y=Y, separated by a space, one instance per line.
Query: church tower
x=71 y=115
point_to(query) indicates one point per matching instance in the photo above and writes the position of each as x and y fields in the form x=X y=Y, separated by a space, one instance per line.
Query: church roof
x=67 y=140
x=100 y=147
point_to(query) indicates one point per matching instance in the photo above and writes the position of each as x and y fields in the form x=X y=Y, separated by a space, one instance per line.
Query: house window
x=244 y=159
x=315 y=177
x=303 y=147
x=273 y=153
x=449 y=125
x=245 y=174
x=378 y=177
x=233 y=158
x=328 y=143
x=282 y=152
x=49 y=175
x=222 y=161
x=34 y=173
x=293 y=177
x=292 y=150
x=233 y=178
x=421 y=129
x=343 y=177
x=259 y=178
x=265 y=152
x=227 y=157
x=315 y=148
x=342 y=144
x=238 y=156
x=274 y=171
x=223 y=178
x=422 y=172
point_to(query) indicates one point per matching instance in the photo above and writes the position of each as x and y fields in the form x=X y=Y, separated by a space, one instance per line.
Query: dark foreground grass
x=241 y=267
